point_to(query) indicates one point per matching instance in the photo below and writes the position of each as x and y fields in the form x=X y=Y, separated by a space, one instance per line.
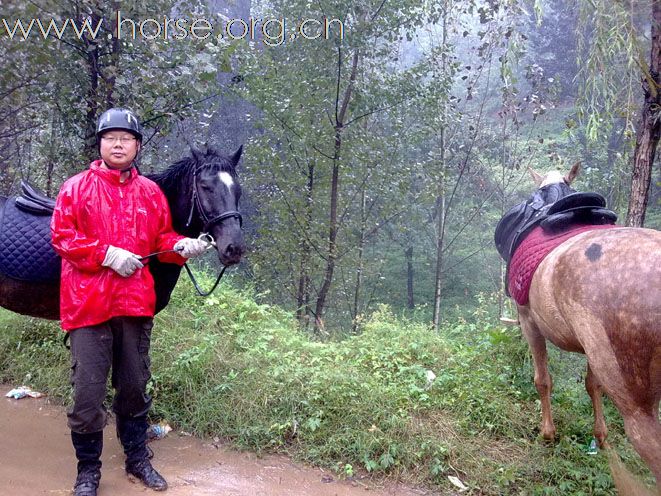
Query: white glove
x=190 y=247
x=122 y=261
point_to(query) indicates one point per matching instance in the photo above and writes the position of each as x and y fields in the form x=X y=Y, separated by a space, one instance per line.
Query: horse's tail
x=626 y=483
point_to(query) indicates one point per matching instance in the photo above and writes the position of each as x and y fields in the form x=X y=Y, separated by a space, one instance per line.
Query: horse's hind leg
x=637 y=400
x=593 y=388
x=644 y=431
x=543 y=381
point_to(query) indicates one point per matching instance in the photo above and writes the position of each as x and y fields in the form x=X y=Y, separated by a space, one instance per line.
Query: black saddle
x=555 y=208
x=34 y=201
x=26 y=252
x=587 y=214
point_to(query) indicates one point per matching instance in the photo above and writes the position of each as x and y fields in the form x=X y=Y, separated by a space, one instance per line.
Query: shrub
x=397 y=399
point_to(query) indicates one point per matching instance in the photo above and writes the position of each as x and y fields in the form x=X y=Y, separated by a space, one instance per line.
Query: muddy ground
x=37 y=458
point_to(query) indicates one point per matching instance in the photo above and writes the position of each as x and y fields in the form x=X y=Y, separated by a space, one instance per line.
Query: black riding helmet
x=118 y=118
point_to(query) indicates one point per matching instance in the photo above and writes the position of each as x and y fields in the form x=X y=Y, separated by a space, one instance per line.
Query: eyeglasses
x=124 y=140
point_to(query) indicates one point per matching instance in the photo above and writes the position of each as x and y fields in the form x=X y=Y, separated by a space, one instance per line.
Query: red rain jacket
x=94 y=210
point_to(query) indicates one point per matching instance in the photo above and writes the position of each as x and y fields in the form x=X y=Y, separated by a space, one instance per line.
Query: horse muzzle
x=230 y=248
x=232 y=253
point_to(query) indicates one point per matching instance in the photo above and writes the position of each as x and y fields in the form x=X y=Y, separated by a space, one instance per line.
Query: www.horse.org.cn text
x=273 y=31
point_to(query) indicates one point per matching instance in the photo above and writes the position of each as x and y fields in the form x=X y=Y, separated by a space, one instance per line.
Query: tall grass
x=395 y=400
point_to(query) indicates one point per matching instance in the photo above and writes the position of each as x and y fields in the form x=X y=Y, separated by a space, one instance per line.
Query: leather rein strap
x=197 y=287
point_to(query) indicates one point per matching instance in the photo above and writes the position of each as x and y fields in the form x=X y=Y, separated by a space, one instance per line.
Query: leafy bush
x=396 y=399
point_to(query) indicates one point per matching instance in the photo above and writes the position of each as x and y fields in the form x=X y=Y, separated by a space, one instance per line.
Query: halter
x=195 y=202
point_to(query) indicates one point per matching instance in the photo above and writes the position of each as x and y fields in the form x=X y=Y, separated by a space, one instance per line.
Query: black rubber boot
x=88 y=452
x=133 y=435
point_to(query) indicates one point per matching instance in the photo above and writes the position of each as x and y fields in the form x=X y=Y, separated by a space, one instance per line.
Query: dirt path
x=37 y=458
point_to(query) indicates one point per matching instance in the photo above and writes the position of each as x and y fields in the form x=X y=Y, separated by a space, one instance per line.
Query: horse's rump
x=613 y=268
x=604 y=289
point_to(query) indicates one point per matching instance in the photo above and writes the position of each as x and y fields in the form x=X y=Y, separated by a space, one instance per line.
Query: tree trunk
x=440 y=226
x=440 y=233
x=114 y=63
x=359 y=269
x=303 y=292
x=649 y=129
x=92 y=98
x=332 y=238
x=409 y=277
x=303 y=295
x=340 y=116
x=50 y=166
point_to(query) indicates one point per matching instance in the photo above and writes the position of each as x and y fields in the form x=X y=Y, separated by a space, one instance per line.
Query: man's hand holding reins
x=191 y=247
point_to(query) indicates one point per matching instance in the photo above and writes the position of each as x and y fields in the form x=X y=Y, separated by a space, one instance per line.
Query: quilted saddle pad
x=26 y=252
x=530 y=254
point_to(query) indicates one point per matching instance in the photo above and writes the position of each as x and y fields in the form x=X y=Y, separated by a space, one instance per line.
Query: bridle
x=195 y=202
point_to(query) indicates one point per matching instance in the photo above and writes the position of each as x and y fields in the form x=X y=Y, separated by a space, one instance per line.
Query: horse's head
x=214 y=203
x=203 y=192
x=553 y=185
x=554 y=177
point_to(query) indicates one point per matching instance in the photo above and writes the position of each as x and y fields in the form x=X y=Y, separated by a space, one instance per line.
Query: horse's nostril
x=234 y=251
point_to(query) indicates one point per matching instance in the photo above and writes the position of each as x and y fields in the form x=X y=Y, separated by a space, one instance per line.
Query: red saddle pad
x=530 y=254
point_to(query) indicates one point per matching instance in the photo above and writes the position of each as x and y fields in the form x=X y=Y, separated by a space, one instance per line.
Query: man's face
x=119 y=148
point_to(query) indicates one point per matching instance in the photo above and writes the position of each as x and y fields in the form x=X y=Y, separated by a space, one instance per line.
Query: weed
x=395 y=399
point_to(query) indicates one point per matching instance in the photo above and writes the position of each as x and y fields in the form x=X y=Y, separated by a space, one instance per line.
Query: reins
x=197 y=287
x=206 y=237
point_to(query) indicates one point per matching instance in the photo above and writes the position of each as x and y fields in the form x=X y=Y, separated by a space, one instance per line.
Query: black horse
x=203 y=193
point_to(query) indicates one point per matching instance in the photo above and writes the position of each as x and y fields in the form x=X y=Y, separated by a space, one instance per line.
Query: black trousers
x=123 y=344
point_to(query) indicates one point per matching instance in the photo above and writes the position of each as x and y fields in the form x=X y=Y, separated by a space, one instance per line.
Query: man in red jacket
x=105 y=219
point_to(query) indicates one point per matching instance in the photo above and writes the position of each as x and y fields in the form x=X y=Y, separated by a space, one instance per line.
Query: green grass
x=231 y=367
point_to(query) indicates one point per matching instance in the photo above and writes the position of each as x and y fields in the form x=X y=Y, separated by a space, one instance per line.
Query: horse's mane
x=171 y=178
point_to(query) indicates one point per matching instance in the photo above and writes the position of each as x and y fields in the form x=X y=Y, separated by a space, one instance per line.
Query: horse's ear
x=573 y=172
x=197 y=155
x=536 y=176
x=237 y=156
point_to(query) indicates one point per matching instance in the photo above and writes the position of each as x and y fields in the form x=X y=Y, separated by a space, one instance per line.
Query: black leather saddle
x=34 y=201
x=555 y=208
x=577 y=208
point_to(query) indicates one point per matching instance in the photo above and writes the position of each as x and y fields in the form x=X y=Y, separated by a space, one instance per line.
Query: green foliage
x=611 y=35
x=395 y=399
x=53 y=88
x=31 y=352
